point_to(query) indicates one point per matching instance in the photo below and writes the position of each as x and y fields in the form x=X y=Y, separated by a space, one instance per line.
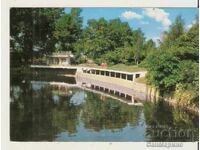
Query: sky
x=152 y=21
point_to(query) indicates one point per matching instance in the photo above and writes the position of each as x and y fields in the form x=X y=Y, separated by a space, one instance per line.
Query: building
x=60 y=58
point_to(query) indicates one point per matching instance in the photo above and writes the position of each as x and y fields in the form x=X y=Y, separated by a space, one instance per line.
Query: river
x=54 y=108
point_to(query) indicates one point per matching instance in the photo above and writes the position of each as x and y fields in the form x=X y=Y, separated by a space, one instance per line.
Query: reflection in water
x=119 y=92
x=40 y=111
x=108 y=114
x=167 y=123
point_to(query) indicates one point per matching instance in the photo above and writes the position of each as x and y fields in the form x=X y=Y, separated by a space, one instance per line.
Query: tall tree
x=68 y=29
x=149 y=46
x=31 y=30
x=175 y=31
x=174 y=69
x=138 y=45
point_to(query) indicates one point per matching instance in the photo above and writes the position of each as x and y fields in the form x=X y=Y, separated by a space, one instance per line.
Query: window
x=137 y=75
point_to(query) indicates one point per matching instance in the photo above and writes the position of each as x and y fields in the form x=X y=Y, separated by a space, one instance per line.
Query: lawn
x=118 y=67
x=141 y=80
x=128 y=68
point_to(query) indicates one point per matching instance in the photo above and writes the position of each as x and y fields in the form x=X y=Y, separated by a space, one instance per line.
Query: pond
x=54 y=108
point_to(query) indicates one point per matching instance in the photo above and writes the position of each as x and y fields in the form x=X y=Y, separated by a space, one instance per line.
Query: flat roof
x=86 y=68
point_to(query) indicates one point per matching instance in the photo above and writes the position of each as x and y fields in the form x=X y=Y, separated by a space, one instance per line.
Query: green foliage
x=47 y=30
x=43 y=31
x=161 y=116
x=31 y=29
x=175 y=31
x=149 y=47
x=111 y=41
x=175 y=67
x=107 y=114
x=68 y=30
x=162 y=70
x=186 y=47
x=188 y=87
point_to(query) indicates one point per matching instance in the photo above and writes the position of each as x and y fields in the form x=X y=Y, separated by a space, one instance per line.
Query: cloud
x=131 y=15
x=159 y=15
x=190 y=25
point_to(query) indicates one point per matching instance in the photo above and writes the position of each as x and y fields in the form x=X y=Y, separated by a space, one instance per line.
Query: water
x=42 y=110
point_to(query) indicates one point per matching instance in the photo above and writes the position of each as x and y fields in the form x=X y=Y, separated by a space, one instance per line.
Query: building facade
x=60 y=58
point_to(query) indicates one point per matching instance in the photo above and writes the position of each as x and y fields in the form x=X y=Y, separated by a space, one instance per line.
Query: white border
x=6 y=5
x=104 y=3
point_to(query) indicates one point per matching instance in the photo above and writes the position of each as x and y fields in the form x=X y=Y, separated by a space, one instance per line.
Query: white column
x=133 y=77
x=132 y=100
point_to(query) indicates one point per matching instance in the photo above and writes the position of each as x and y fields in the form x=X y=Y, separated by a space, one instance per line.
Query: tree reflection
x=35 y=116
x=167 y=123
x=108 y=114
x=40 y=112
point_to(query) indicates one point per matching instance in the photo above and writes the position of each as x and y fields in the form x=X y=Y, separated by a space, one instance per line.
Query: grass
x=118 y=67
x=128 y=68
x=90 y=65
x=141 y=80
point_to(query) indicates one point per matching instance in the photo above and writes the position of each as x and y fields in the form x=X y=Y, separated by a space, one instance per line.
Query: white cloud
x=159 y=15
x=131 y=15
x=190 y=25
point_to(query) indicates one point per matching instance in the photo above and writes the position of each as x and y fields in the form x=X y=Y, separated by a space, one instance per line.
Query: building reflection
x=117 y=92
x=41 y=110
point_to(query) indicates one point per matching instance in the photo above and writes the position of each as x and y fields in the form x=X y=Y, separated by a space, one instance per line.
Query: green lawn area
x=141 y=80
x=119 y=67
x=90 y=65
x=128 y=68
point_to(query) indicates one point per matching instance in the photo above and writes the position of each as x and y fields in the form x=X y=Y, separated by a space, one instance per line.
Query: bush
x=162 y=70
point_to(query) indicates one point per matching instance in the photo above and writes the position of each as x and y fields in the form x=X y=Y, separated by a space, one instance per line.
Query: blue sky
x=152 y=21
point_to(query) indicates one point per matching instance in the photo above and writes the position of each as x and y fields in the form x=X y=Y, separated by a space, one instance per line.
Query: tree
x=137 y=42
x=187 y=46
x=174 y=69
x=149 y=47
x=112 y=41
x=162 y=71
x=68 y=29
x=175 y=31
x=101 y=37
x=119 y=33
x=31 y=30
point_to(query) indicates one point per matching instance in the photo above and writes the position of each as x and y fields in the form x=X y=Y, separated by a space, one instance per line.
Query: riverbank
x=155 y=96
x=175 y=104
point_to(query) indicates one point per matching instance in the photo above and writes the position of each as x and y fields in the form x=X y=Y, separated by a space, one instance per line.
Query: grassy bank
x=141 y=80
x=118 y=67
x=128 y=68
